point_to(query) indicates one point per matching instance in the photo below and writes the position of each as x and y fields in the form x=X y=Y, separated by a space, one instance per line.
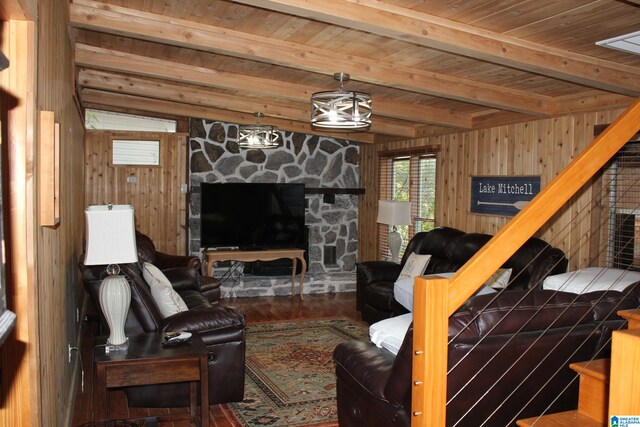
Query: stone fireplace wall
x=309 y=159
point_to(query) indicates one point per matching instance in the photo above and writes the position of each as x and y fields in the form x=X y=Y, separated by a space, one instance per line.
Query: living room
x=517 y=119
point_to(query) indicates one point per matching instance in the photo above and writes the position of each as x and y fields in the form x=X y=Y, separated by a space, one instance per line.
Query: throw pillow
x=167 y=299
x=389 y=333
x=415 y=265
x=499 y=279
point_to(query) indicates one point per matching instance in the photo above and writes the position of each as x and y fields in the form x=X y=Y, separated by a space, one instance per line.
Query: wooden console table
x=295 y=254
x=144 y=362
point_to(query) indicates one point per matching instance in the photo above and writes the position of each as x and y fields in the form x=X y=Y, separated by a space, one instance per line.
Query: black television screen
x=251 y=215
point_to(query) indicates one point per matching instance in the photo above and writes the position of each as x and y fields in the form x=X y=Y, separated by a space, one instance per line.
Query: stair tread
x=561 y=419
x=597 y=368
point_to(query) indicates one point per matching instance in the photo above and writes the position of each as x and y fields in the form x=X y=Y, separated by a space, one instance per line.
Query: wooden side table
x=295 y=254
x=147 y=362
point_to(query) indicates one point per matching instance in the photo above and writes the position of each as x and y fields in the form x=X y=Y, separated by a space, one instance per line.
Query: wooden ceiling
x=431 y=66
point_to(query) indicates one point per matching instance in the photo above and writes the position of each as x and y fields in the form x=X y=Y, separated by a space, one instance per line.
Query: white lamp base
x=115 y=297
x=394 y=240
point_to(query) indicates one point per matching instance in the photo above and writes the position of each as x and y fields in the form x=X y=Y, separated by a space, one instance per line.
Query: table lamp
x=110 y=241
x=394 y=213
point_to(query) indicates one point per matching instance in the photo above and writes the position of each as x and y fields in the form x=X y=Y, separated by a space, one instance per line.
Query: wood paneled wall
x=43 y=284
x=160 y=207
x=541 y=147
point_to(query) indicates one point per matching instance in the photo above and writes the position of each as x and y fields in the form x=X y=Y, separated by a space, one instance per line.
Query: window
x=408 y=176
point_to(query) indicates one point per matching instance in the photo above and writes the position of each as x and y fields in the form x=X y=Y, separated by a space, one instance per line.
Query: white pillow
x=403 y=289
x=167 y=299
x=389 y=333
x=415 y=265
x=591 y=279
x=499 y=279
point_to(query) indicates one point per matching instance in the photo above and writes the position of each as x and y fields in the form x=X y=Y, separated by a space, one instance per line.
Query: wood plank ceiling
x=431 y=66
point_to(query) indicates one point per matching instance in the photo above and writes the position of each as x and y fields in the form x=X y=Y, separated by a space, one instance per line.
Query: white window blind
x=136 y=152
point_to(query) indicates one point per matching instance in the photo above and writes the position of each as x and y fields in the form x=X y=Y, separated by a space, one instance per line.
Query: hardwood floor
x=257 y=310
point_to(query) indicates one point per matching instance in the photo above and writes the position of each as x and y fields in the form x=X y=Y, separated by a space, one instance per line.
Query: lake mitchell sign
x=502 y=195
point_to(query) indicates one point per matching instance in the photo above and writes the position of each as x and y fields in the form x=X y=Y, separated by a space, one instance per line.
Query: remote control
x=172 y=339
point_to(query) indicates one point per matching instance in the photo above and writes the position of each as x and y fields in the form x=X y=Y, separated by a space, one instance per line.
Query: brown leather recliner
x=450 y=249
x=508 y=359
x=221 y=327
x=209 y=286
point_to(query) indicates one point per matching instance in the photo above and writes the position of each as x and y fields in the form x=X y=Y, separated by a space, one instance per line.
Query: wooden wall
x=541 y=147
x=43 y=283
x=160 y=208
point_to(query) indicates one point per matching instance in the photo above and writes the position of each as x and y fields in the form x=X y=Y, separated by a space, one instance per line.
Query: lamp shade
x=394 y=212
x=111 y=235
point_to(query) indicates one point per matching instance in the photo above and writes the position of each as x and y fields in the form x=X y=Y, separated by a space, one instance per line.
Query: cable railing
x=436 y=299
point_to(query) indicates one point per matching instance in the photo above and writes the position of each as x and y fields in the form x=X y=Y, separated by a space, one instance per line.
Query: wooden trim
x=49 y=170
x=428 y=149
x=624 y=385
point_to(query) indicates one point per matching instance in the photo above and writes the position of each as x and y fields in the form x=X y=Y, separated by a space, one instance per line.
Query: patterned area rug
x=290 y=377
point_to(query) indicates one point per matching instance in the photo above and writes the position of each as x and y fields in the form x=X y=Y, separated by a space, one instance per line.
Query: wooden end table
x=295 y=254
x=146 y=362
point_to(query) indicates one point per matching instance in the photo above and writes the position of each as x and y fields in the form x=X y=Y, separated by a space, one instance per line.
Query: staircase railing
x=435 y=299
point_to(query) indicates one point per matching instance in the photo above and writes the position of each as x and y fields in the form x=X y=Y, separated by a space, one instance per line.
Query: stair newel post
x=430 y=326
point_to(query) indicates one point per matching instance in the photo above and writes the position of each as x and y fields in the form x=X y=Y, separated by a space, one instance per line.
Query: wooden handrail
x=431 y=320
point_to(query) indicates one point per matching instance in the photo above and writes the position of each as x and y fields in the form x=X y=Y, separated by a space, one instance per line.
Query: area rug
x=290 y=376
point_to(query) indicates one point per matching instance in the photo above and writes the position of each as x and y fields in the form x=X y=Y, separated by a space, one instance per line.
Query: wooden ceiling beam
x=286 y=110
x=438 y=33
x=134 y=23
x=109 y=59
x=102 y=99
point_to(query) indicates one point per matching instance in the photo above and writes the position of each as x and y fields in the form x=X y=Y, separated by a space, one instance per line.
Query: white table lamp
x=111 y=240
x=394 y=213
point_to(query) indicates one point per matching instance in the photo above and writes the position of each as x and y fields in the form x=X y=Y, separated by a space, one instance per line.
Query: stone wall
x=309 y=159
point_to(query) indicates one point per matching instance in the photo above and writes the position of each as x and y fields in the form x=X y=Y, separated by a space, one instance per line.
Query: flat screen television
x=252 y=215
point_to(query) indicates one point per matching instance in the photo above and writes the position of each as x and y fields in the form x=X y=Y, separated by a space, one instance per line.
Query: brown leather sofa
x=449 y=248
x=221 y=327
x=508 y=358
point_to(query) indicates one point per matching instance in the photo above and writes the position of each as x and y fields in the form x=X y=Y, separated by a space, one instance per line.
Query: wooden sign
x=502 y=195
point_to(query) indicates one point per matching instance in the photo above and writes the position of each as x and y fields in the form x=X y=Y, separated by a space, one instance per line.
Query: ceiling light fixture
x=258 y=135
x=343 y=110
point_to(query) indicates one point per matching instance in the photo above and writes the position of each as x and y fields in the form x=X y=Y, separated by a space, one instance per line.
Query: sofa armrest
x=378 y=271
x=372 y=272
x=549 y=263
x=216 y=324
x=164 y=261
x=365 y=364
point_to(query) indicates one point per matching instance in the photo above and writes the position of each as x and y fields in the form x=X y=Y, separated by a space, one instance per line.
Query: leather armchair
x=450 y=249
x=222 y=329
x=173 y=265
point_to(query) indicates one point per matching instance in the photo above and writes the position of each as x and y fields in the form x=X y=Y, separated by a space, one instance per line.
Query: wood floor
x=257 y=310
